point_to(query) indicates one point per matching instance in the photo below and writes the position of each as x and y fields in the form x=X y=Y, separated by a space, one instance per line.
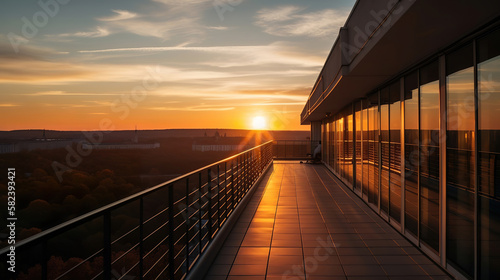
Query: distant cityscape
x=203 y=140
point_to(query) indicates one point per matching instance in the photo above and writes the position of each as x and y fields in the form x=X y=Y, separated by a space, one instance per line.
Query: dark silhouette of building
x=407 y=108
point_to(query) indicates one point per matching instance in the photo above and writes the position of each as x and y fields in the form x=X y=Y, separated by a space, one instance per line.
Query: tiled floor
x=302 y=224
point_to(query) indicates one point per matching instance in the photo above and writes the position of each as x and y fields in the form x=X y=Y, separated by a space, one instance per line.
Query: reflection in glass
x=340 y=145
x=411 y=153
x=429 y=156
x=395 y=152
x=349 y=147
x=373 y=127
x=460 y=160
x=366 y=150
x=358 y=150
x=384 y=140
x=331 y=135
x=489 y=154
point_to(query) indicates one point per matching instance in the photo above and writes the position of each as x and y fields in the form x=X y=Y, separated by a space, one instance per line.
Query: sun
x=259 y=122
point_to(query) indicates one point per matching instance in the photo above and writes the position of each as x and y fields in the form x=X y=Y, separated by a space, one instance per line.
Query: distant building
x=220 y=144
x=38 y=144
x=134 y=145
x=218 y=148
x=7 y=148
x=120 y=146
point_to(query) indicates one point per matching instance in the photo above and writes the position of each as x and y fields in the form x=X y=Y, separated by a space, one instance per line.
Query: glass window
x=429 y=155
x=358 y=149
x=366 y=150
x=460 y=110
x=384 y=142
x=411 y=153
x=489 y=154
x=395 y=151
x=340 y=146
x=349 y=146
x=373 y=136
x=331 y=154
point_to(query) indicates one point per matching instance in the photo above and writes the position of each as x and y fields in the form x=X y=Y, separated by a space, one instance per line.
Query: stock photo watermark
x=121 y=106
x=122 y=275
x=31 y=25
x=311 y=263
x=468 y=108
x=223 y=6
x=380 y=20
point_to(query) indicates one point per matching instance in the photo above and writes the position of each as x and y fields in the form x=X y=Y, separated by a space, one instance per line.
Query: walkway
x=302 y=223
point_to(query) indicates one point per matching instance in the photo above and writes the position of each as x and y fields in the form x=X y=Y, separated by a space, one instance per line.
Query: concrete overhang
x=412 y=31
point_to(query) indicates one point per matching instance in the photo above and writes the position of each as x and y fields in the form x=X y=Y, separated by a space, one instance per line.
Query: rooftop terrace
x=303 y=223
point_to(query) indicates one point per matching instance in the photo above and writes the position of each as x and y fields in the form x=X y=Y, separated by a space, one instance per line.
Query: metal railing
x=158 y=233
x=293 y=149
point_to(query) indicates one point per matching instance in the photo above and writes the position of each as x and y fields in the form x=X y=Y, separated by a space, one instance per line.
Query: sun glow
x=259 y=122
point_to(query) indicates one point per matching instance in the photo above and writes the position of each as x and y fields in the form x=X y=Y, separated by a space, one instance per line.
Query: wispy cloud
x=183 y=2
x=178 y=18
x=8 y=105
x=64 y=93
x=289 y=21
x=218 y=27
x=97 y=33
x=279 y=103
x=232 y=95
x=119 y=15
x=196 y=108
x=278 y=53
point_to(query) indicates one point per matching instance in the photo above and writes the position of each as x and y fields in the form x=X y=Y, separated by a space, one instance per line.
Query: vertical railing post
x=200 y=213
x=218 y=197
x=107 y=245
x=245 y=173
x=187 y=225
x=141 y=237
x=209 y=194
x=171 y=239
x=232 y=189
x=237 y=182
x=226 y=195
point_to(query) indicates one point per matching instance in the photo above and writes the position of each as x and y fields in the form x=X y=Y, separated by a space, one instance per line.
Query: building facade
x=407 y=107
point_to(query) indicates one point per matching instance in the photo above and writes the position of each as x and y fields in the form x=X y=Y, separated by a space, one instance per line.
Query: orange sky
x=160 y=64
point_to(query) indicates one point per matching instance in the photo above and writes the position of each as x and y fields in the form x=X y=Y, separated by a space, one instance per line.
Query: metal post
x=232 y=187
x=418 y=165
x=200 y=207
x=442 y=159
x=209 y=193
x=218 y=196
x=171 y=252
x=226 y=194
x=477 y=246
x=187 y=224
x=402 y=155
x=379 y=150
x=141 y=237
x=353 y=145
x=107 y=245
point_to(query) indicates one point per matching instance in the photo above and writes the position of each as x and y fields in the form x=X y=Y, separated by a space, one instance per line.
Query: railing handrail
x=109 y=207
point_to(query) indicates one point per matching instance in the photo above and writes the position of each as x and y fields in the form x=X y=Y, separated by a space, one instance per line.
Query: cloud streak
x=230 y=56
x=119 y=15
x=198 y=108
x=97 y=33
x=290 y=21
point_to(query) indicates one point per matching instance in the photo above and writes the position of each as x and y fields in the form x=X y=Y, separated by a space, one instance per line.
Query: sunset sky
x=159 y=64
